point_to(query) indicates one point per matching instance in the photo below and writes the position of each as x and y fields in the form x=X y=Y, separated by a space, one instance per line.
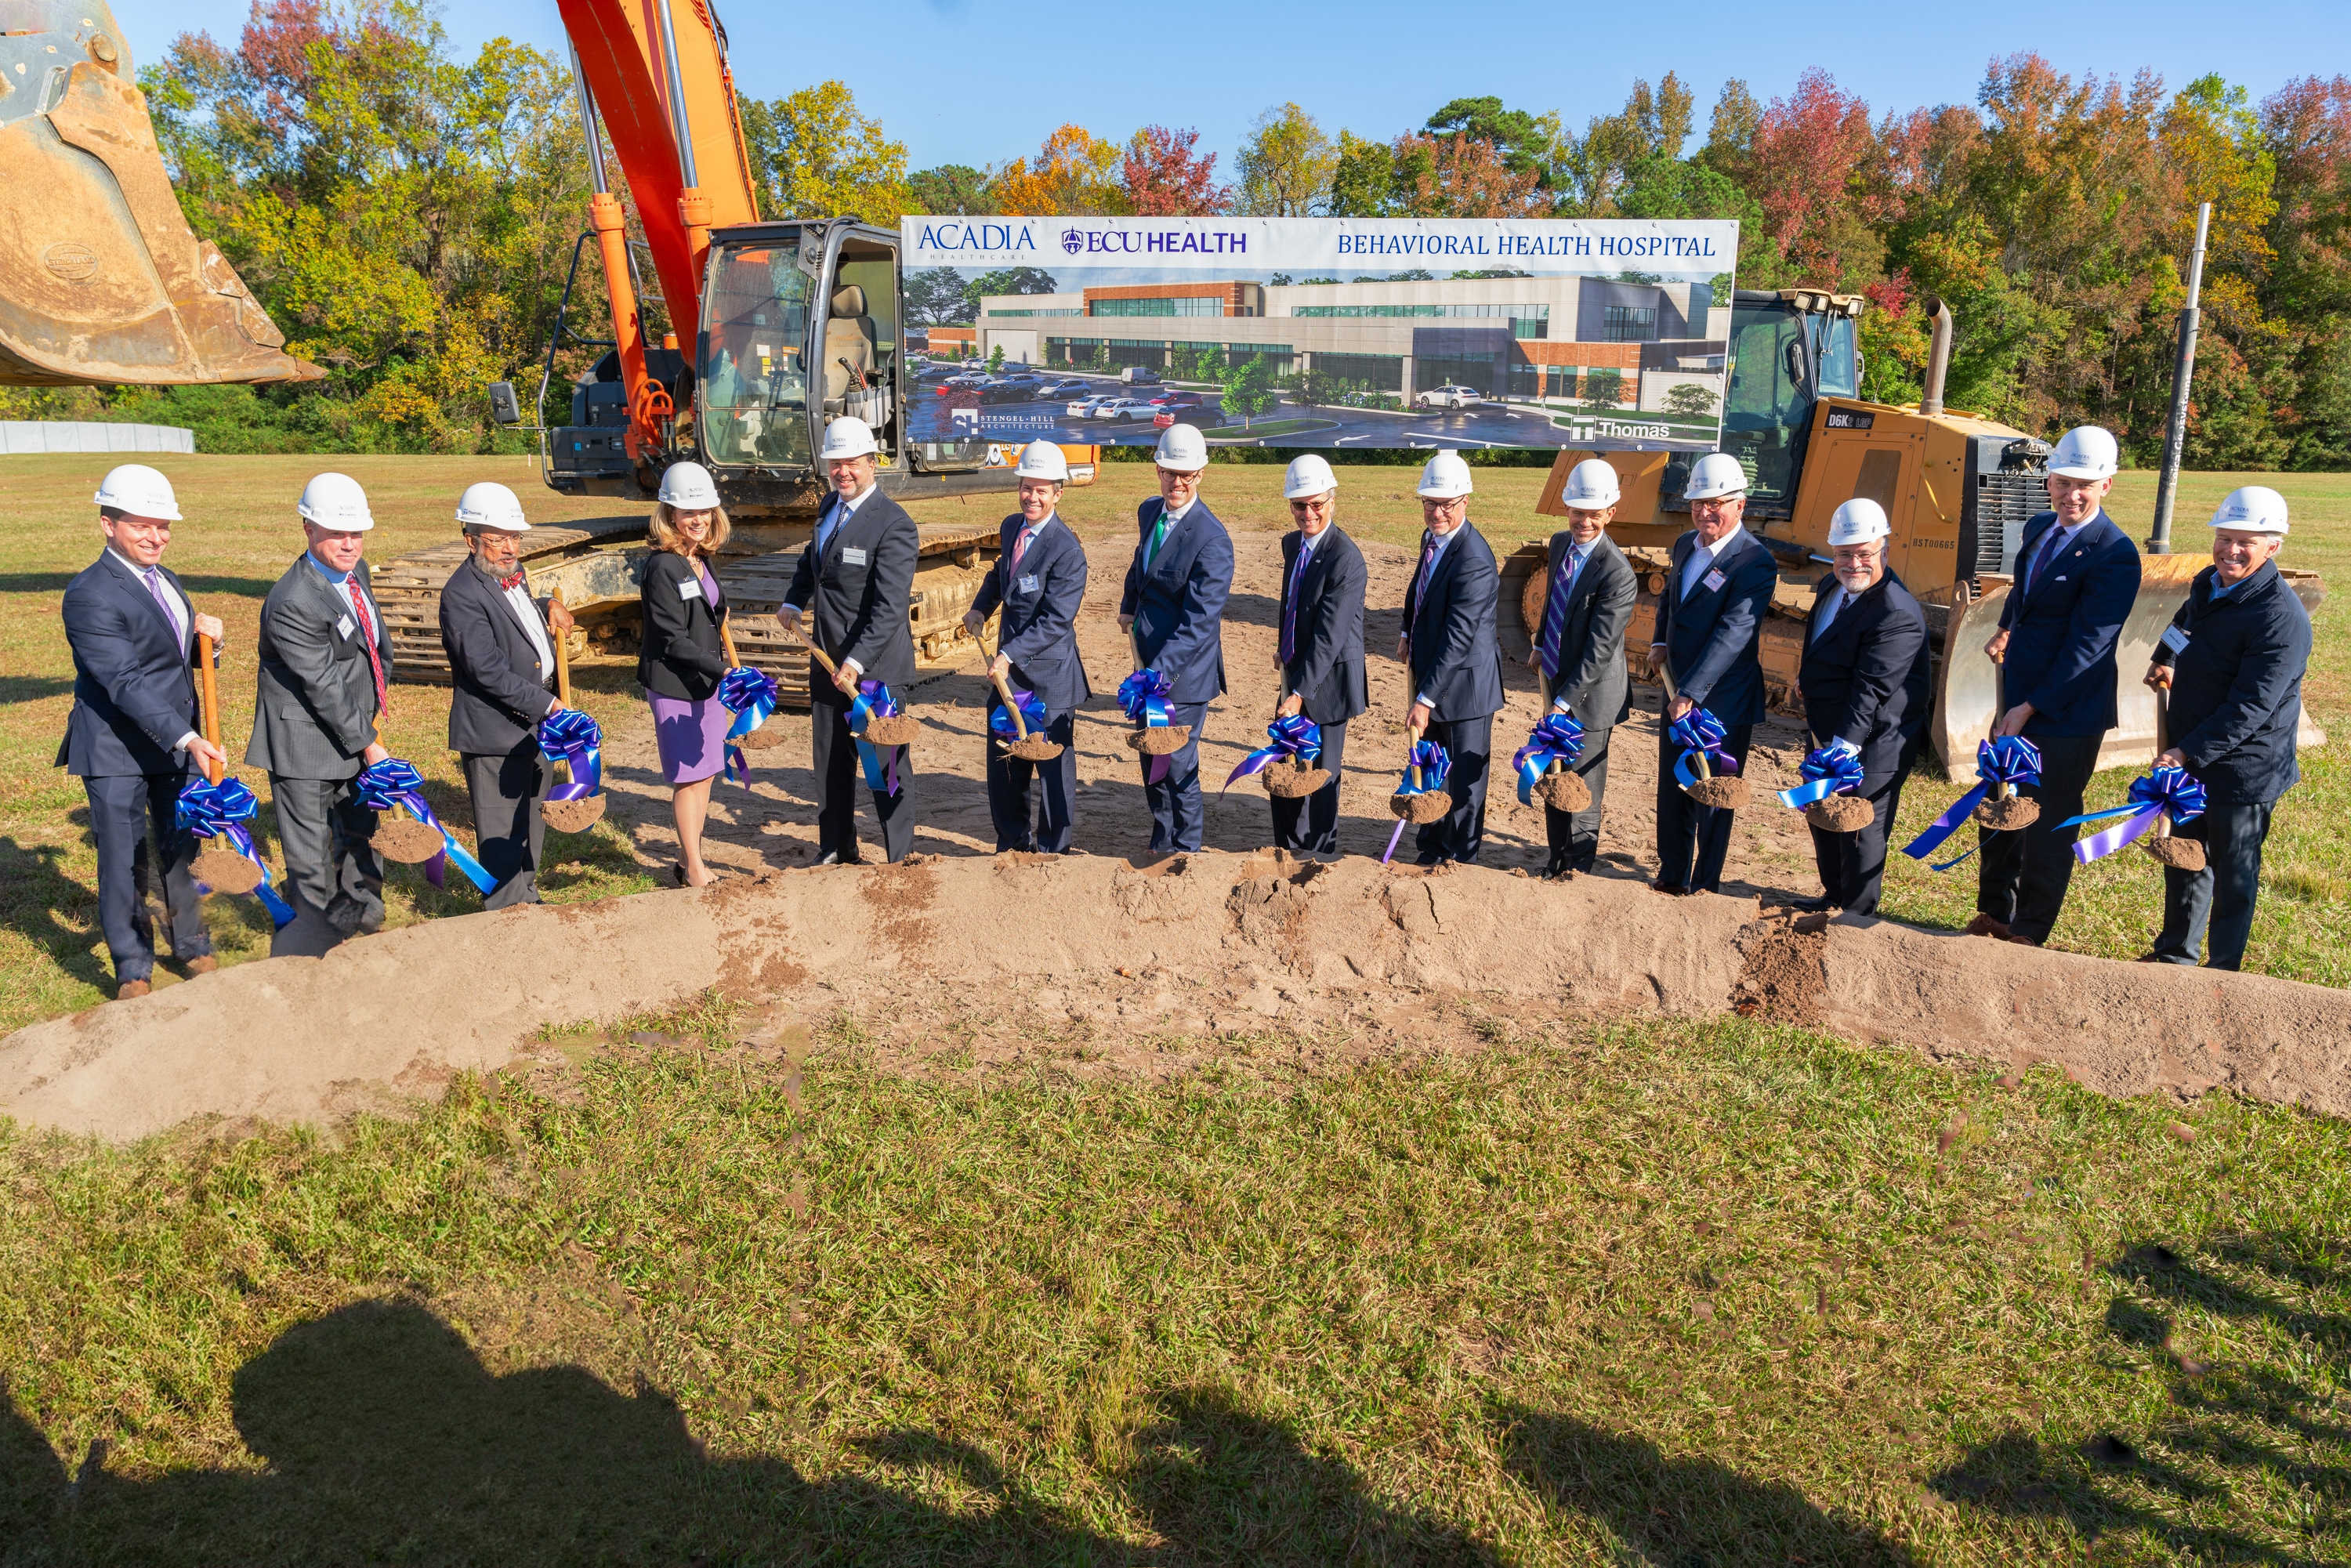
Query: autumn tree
x=1286 y=165
x=1163 y=175
x=814 y=155
x=1075 y=172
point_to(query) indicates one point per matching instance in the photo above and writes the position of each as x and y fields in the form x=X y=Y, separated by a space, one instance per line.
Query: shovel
x=2186 y=854
x=1421 y=807
x=900 y=730
x=762 y=738
x=2006 y=811
x=1291 y=778
x=1166 y=739
x=218 y=867
x=568 y=816
x=1562 y=788
x=1027 y=747
x=1726 y=793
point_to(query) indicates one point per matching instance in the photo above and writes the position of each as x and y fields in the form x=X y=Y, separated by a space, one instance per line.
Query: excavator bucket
x=101 y=280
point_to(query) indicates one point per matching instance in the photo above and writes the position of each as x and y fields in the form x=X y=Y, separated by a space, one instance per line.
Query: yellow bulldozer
x=1957 y=488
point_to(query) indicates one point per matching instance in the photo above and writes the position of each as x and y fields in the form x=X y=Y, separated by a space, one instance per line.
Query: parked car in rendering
x=1139 y=375
x=1176 y=397
x=1450 y=396
x=1087 y=407
x=1206 y=416
x=1124 y=408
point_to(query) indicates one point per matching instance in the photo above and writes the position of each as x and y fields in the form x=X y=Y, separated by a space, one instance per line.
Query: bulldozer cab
x=1788 y=351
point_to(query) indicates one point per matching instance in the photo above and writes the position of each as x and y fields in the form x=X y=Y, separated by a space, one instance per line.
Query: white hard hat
x=2085 y=451
x=336 y=502
x=1308 y=476
x=1182 y=448
x=1444 y=476
x=490 y=505
x=1043 y=460
x=139 y=490
x=848 y=437
x=1715 y=475
x=1857 y=522
x=2255 y=508
x=1591 y=485
x=689 y=486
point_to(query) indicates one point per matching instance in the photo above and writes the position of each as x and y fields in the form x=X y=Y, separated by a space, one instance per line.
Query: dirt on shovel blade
x=574 y=816
x=407 y=841
x=1033 y=748
x=2008 y=816
x=225 y=870
x=1840 y=814
x=2186 y=854
x=1429 y=806
x=898 y=731
x=1165 y=741
x=760 y=739
x=1292 y=780
x=1562 y=790
x=1723 y=794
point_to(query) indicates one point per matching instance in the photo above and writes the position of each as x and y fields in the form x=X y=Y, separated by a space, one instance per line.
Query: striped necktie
x=163 y=601
x=367 y=637
x=1289 y=603
x=1554 y=625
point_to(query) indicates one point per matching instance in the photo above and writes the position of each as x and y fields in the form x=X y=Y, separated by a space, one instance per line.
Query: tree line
x=407 y=219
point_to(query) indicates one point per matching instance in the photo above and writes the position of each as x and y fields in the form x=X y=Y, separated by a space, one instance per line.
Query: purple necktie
x=164 y=603
x=1420 y=578
x=1555 y=617
x=1289 y=606
x=2042 y=557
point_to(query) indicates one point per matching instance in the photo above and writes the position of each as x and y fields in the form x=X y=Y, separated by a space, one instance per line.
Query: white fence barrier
x=29 y=437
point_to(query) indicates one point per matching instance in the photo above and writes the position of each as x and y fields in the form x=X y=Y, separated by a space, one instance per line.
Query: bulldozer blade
x=102 y=282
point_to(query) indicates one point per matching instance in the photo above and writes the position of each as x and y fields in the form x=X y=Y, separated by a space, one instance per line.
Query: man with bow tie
x=1318 y=648
x=2077 y=577
x=1709 y=638
x=325 y=661
x=1450 y=646
x=1579 y=652
x=1173 y=606
x=134 y=736
x=854 y=583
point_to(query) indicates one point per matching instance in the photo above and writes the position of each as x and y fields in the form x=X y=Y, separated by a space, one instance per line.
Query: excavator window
x=754 y=386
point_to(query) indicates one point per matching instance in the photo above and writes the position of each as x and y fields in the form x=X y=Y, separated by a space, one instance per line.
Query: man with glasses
x=1172 y=608
x=1319 y=647
x=1579 y=652
x=1456 y=663
x=1707 y=639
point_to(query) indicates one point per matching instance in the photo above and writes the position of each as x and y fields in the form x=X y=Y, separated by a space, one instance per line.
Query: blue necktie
x=1554 y=625
x=2042 y=557
x=1289 y=609
x=831 y=525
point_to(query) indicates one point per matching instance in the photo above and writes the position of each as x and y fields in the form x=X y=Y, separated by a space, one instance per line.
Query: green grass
x=1730 y=1294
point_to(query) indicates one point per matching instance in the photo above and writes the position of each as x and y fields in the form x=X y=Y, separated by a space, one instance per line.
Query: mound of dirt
x=387 y=1018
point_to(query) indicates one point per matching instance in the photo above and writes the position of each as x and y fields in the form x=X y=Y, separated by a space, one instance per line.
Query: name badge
x=2174 y=639
x=851 y=557
x=1028 y=585
x=1715 y=579
x=345 y=627
x=690 y=589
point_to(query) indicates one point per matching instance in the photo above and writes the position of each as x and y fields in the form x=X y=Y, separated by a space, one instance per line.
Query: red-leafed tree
x=1819 y=176
x=1462 y=176
x=1165 y=177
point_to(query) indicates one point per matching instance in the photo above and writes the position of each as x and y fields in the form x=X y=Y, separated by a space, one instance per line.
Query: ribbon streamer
x=1699 y=732
x=395 y=782
x=1032 y=714
x=873 y=701
x=571 y=738
x=1557 y=739
x=2011 y=760
x=1831 y=771
x=1294 y=735
x=1144 y=696
x=2166 y=789
x=750 y=696
x=1433 y=763
x=220 y=811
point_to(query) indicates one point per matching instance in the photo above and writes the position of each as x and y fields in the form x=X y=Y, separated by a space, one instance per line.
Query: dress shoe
x=129 y=989
x=203 y=963
x=1661 y=885
x=835 y=857
x=2025 y=941
x=1807 y=905
x=1985 y=925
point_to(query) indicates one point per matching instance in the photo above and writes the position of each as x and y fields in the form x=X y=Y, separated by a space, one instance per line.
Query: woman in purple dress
x=681 y=659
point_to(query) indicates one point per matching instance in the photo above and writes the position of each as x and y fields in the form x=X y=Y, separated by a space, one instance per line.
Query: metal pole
x=587 y=124
x=678 y=127
x=2175 y=434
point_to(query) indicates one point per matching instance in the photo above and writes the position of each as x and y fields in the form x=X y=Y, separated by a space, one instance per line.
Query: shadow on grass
x=40 y=902
x=33 y=688
x=196 y=585
x=386 y=1439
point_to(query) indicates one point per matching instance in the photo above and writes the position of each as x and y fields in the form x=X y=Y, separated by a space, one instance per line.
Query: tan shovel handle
x=212 y=704
x=562 y=658
x=726 y=641
x=1666 y=674
x=1019 y=725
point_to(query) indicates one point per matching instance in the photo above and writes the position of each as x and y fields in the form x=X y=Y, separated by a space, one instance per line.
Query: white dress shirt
x=1703 y=558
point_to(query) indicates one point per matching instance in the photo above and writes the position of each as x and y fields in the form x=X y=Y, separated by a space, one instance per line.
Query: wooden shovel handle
x=1019 y=725
x=211 y=714
x=726 y=641
x=562 y=658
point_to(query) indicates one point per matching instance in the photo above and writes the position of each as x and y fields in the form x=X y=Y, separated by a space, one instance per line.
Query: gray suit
x=1594 y=610
x=313 y=720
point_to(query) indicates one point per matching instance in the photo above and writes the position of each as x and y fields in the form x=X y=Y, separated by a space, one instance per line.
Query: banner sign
x=1305 y=332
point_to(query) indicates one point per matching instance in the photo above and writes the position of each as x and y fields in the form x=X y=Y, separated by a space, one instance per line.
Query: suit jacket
x=315 y=713
x=1449 y=619
x=2236 y=688
x=1328 y=639
x=1040 y=630
x=1713 y=635
x=860 y=595
x=2064 y=629
x=1866 y=678
x=1178 y=603
x=134 y=694
x=500 y=685
x=680 y=654
x=1592 y=679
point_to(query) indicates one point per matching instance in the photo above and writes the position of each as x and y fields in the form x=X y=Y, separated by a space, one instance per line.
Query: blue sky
x=967 y=81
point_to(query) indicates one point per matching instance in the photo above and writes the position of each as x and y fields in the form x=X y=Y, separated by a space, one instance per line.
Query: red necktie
x=1020 y=545
x=367 y=634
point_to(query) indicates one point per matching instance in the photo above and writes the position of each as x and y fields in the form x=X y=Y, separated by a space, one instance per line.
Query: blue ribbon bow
x=1557 y=739
x=2011 y=760
x=571 y=738
x=750 y=696
x=1144 y=697
x=1294 y=734
x=1032 y=714
x=2171 y=789
x=1433 y=764
x=1699 y=734
x=393 y=782
x=220 y=811
x=873 y=701
x=1833 y=770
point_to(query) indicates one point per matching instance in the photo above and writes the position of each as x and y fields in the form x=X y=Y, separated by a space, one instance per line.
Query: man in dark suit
x=1172 y=607
x=325 y=660
x=1864 y=679
x=855 y=581
x=1709 y=633
x=2233 y=659
x=500 y=643
x=1318 y=648
x=1456 y=660
x=134 y=736
x=2077 y=576
x=1040 y=580
x=1579 y=652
